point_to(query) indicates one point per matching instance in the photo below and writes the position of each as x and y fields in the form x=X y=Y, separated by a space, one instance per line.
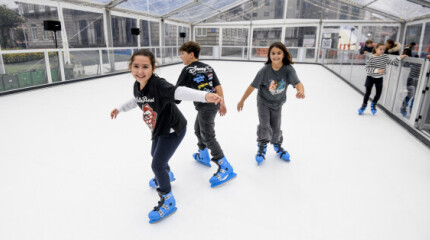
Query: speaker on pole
x=135 y=31
x=50 y=25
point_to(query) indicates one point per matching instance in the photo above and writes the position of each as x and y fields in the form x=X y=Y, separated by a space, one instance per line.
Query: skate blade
x=230 y=177
x=166 y=216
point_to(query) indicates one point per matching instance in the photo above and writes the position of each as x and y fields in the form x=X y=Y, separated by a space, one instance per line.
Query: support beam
x=420 y=2
x=114 y=3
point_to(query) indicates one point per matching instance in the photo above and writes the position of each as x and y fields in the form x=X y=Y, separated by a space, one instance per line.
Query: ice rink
x=69 y=172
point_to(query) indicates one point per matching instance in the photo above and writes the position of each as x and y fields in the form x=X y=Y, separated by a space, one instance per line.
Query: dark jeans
x=370 y=81
x=204 y=128
x=162 y=150
x=269 y=128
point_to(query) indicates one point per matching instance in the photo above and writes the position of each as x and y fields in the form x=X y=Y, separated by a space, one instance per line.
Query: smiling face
x=276 y=55
x=141 y=68
x=380 y=50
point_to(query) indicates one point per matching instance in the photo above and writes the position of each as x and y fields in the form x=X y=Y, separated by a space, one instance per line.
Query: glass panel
x=84 y=29
x=81 y=64
x=378 y=34
x=425 y=49
x=265 y=36
x=347 y=58
x=121 y=31
x=209 y=41
x=23 y=27
x=170 y=35
x=234 y=37
x=183 y=31
x=300 y=36
x=413 y=34
x=359 y=74
x=407 y=86
x=400 y=8
x=24 y=70
x=390 y=82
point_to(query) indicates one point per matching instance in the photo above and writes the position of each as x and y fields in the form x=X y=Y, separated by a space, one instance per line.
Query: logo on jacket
x=149 y=116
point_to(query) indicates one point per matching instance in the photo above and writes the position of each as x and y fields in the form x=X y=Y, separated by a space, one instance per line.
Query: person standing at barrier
x=392 y=47
x=367 y=48
x=272 y=82
x=375 y=68
x=411 y=83
x=156 y=97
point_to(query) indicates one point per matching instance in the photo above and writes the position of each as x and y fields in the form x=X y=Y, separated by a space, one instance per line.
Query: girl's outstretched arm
x=245 y=96
x=300 y=91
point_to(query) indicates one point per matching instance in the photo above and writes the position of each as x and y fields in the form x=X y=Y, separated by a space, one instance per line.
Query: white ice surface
x=67 y=171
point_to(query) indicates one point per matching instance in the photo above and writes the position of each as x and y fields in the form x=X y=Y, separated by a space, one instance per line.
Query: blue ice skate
x=261 y=154
x=224 y=174
x=284 y=155
x=153 y=183
x=361 y=109
x=203 y=157
x=373 y=108
x=166 y=206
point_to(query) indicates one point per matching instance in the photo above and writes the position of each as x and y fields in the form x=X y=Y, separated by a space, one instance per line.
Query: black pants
x=204 y=128
x=162 y=150
x=370 y=81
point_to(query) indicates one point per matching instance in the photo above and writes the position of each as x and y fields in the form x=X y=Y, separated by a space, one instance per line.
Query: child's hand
x=214 y=98
x=381 y=71
x=114 y=113
x=222 y=109
x=403 y=56
x=300 y=94
x=240 y=106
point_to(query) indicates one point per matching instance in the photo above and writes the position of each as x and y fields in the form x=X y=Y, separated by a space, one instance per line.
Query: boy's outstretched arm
x=223 y=108
x=245 y=96
x=300 y=91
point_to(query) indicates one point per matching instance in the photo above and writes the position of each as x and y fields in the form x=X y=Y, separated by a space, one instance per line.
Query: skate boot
x=225 y=173
x=361 y=110
x=373 y=108
x=284 y=155
x=261 y=154
x=166 y=206
x=153 y=183
x=203 y=157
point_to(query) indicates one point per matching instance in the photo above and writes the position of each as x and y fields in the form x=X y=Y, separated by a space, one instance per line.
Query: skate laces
x=220 y=169
x=261 y=149
x=279 y=149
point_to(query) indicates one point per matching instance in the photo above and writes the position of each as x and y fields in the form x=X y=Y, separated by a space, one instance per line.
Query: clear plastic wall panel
x=121 y=59
x=105 y=59
x=23 y=70
x=304 y=9
x=252 y=10
x=358 y=71
x=413 y=34
x=425 y=48
x=378 y=34
x=261 y=40
x=242 y=12
x=207 y=36
x=406 y=90
x=84 y=29
x=209 y=42
x=22 y=26
x=171 y=55
x=234 y=41
x=54 y=64
x=348 y=58
x=300 y=36
x=390 y=83
x=121 y=32
x=358 y=68
x=400 y=8
x=170 y=35
x=183 y=31
x=294 y=53
x=310 y=54
x=337 y=62
x=158 y=7
x=82 y=64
